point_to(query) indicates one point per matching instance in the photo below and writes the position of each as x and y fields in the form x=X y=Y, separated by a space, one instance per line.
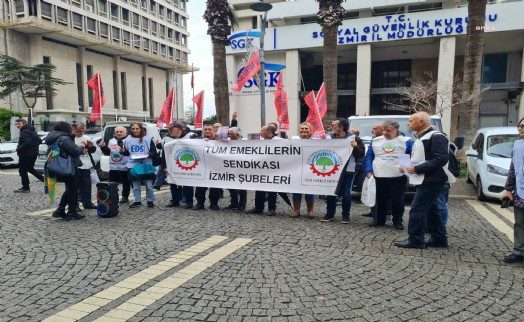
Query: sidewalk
x=462 y=189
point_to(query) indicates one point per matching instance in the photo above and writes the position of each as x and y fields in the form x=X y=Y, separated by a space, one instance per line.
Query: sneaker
x=89 y=206
x=150 y=204
x=345 y=219
x=156 y=187
x=271 y=212
x=199 y=206
x=124 y=200
x=73 y=215
x=255 y=211
x=513 y=258
x=241 y=209
x=327 y=218
x=173 y=205
x=214 y=207
x=135 y=205
x=231 y=207
x=78 y=209
x=189 y=206
x=22 y=190
x=59 y=213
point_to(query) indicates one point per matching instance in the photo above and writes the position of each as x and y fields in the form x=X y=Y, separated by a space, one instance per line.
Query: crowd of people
x=428 y=157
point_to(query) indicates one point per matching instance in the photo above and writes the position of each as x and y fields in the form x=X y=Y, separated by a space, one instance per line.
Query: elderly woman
x=305 y=131
x=515 y=192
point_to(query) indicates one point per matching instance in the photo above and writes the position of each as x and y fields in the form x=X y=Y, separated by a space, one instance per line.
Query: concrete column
x=521 y=103
x=364 y=79
x=180 y=97
x=116 y=68
x=292 y=83
x=446 y=65
x=146 y=88
x=80 y=59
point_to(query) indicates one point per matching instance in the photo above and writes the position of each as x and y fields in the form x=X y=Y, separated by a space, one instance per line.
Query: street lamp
x=261 y=6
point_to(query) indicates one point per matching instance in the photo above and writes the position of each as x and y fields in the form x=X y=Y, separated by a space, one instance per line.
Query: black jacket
x=106 y=151
x=28 y=142
x=436 y=154
x=67 y=145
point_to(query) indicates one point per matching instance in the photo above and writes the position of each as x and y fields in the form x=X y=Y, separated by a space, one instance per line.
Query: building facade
x=382 y=44
x=139 y=47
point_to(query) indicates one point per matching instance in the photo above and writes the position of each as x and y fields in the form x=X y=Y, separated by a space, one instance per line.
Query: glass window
x=501 y=146
x=495 y=68
x=388 y=74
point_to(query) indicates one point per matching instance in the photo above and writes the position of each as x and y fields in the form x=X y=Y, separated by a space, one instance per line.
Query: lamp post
x=261 y=6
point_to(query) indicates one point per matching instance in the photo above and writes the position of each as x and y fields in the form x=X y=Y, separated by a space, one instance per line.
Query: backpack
x=453 y=164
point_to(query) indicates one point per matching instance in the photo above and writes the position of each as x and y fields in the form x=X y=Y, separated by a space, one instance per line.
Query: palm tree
x=330 y=16
x=469 y=116
x=220 y=17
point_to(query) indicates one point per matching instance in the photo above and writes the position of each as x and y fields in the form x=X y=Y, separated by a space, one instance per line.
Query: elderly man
x=200 y=192
x=83 y=173
x=238 y=197
x=428 y=158
x=117 y=161
x=340 y=128
x=27 y=151
x=267 y=132
x=376 y=131
x=382 y=162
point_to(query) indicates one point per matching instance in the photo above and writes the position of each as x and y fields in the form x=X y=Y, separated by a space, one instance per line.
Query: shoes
x=433 y=243
x=327 y=218
x=73 y=215
x=124 y=200
x=374 y=224
x=214 y=207
x=190 y=206
x=59 y=213
x=399 y=226
x=255 y=211
x=199 y=206
x=231 y=207
x=135 y=205
x=241 y=209
x=22 y=190
x=271 y=212
x=173 y=205
x=513 y=258
x=345 y=219
x=156 y=187
x=367 y=215
x=150 y=204
x=78 y=208
x=89 y=206
x=408 y=244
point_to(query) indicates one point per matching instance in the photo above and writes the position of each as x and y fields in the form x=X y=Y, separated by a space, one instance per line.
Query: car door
x=478 y=162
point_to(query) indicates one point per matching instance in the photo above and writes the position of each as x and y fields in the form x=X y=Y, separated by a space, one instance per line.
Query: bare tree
x=422 y=96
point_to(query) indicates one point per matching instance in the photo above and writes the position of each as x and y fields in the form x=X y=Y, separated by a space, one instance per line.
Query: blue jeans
x=160 y=177
x=425 y=213
x=442 y=203
x=298 y=197
x=346 y=198
x=150 y=196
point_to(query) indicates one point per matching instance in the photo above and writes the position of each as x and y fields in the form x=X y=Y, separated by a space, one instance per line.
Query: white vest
x=86 y=161
x=518 y=165
x=117 y=161
x=134 y=147
x=385 y=163
x=418 y=156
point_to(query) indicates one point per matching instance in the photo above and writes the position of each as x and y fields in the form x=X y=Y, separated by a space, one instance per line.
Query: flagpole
x=173 y=99
x=100 y=100
x=193 y=87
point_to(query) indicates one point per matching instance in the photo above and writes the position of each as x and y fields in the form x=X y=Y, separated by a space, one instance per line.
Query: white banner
x=299 y=166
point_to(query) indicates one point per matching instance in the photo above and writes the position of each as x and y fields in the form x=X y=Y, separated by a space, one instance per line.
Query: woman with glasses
x=515 y=192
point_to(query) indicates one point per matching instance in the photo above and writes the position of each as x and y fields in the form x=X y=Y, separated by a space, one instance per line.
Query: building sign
x=270 y=77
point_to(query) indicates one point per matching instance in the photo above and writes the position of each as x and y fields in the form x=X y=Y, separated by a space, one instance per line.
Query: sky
x=201 y=56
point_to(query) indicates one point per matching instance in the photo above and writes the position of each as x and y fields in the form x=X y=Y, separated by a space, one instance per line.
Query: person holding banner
x=340 y=128
x=382 y=162
x=84 y=171
x=305 y=133
x=238 y=197
x=117 y=161
x=268 y=132
x=200 y=192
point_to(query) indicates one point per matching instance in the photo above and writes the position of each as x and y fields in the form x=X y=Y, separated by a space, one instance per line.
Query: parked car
x=8 y=155
x=488 y=160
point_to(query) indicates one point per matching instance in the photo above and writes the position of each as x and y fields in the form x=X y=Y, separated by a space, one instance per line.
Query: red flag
x=95 y=83
x=165 y=115
x=281 y=105
x=199 y=101
x=315 y=120
x=252 y=67
x=278 y=96
x=322 y=101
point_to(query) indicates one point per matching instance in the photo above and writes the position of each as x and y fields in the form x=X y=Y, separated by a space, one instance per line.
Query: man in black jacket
x=428 y=158
x=27 y=151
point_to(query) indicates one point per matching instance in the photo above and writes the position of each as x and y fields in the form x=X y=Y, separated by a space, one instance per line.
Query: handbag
x=369 y=192
x=56 y=163
x=141 y=170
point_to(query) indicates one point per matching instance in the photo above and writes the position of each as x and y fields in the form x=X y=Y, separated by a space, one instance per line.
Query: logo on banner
x=116 y=157
x=187 y=159
x=324 y=163
x=388 y=148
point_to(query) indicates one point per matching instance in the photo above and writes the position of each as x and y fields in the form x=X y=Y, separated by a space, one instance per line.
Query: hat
x=175 y=124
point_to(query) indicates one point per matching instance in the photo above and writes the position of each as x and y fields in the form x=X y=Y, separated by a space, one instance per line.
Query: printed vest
x=134 y=147
x=86 y=161
x=386 y=164
x=117 y=161
x=518 y=165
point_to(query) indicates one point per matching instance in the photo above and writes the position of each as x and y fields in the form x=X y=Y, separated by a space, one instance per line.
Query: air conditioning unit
x=89 y=7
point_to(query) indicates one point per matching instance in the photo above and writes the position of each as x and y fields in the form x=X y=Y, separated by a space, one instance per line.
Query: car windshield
x=501 y=146
x=365 y=125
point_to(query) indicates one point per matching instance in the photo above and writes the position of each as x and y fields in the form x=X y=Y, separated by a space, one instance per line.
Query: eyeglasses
x=520 y=127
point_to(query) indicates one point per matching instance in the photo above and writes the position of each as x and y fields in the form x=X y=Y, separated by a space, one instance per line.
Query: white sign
x=297 y=166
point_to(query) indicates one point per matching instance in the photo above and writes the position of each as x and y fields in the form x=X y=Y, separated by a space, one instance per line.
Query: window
x=102 y=6
x=184 y=40
x=254 y=22
x=184 y=22
x=425 y=7
x=177 y=18
x=77 y=21
x=136 y=20
x=103 y=30
x=393 y=73
x=115 y=34
x=161 y=11
x=153 y=27
x=114 y=11
x=80 y=87
x=388 y=11
x=169 y=15
x=91 y=26
x=123 y=88
x=495 y=68
x=152 y=6
x=347 y=76
x=61 y=16
x=145 y=24
x=125 y=16
x=478 y=145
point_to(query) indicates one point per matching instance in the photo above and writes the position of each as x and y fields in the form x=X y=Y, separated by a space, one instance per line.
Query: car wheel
x=103 y=176
x=468 y=178
x=480 y=194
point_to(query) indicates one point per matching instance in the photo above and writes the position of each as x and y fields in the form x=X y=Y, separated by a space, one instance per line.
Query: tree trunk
x=220 y=84
x=330 y=73
x=470 y=113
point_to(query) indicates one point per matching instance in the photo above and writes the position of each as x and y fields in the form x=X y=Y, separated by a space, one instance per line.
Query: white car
x=8 y=155
x=488 y=160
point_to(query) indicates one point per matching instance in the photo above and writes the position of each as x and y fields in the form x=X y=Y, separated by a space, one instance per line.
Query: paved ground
x=165 y=265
